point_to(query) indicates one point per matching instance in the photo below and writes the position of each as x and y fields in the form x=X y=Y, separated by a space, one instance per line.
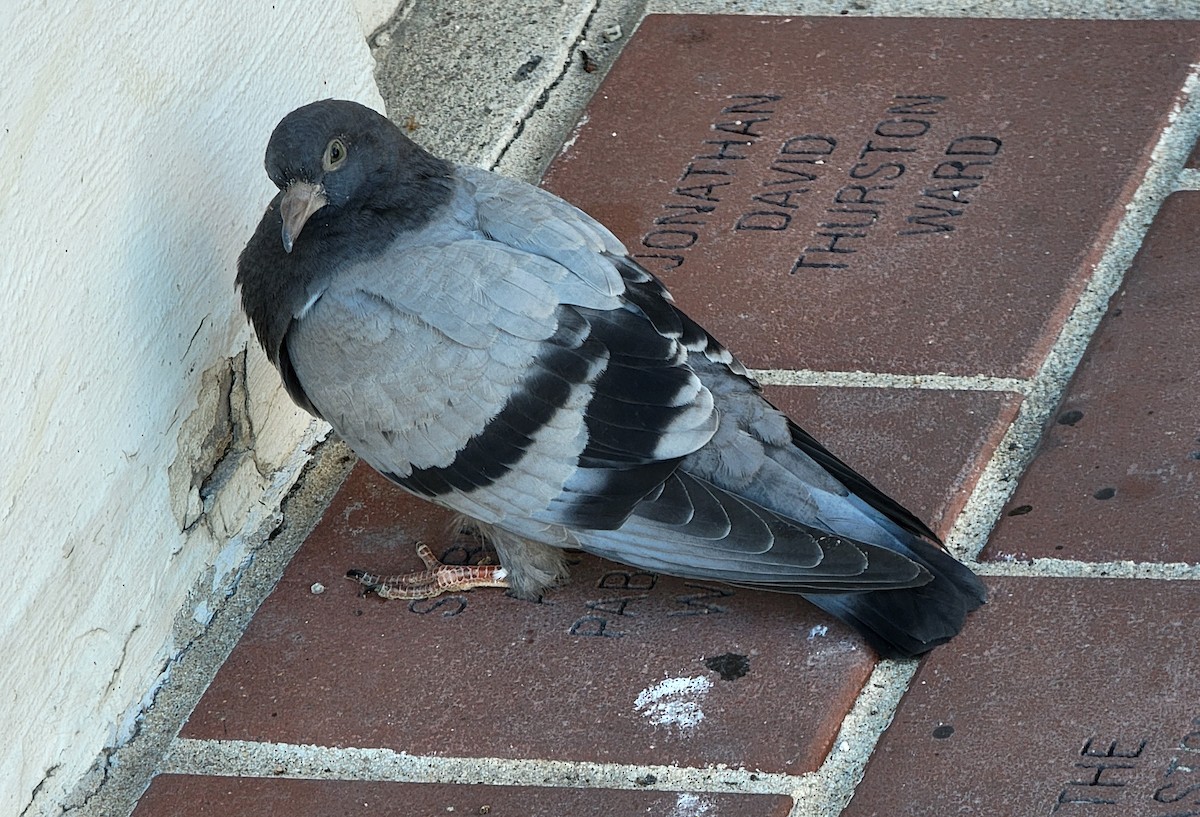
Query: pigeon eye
x=335 y=154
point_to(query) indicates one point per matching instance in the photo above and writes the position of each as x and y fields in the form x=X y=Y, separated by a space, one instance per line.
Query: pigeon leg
x=435 y=579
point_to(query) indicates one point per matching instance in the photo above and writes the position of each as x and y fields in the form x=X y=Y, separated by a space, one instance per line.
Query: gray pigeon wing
x=531 y=219
x=698 y=530
x=752 y=506
x=755 y=439
x=786 y=504
x=458 y=371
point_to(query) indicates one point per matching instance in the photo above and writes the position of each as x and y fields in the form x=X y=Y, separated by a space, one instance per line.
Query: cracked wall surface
x=146 y=447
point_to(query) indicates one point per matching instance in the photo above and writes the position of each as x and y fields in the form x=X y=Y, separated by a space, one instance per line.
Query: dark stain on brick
x=1070 y=418
x=729 y=666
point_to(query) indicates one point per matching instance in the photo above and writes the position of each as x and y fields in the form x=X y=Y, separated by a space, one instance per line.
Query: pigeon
x=490 y=348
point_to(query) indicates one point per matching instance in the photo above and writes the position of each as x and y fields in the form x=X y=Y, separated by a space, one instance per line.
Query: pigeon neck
x=422 y=189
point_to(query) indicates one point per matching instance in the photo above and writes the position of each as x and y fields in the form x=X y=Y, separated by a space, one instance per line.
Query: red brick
x=1117 y=475
x=1073 y=108
x=465 y=674
x=1055 y=684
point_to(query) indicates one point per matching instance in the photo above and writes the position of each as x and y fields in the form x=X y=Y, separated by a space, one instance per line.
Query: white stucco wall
x=374 y=13
x=131 y=142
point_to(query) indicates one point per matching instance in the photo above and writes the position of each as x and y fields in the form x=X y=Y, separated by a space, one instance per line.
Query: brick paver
x=1072 y=697
x=882 y=195
x=612 y=668
x=1118 y=475
x=334 y=669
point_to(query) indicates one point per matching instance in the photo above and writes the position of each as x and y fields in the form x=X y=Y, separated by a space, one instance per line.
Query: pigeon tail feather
x=909 y=622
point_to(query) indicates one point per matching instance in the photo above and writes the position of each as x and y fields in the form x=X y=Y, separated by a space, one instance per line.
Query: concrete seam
x=884 y=380
x=827 y=792
x=241 y=758
x=1189 y=179
x=1074 y=569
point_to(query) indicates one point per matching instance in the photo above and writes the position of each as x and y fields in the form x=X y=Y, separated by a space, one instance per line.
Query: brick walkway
x=911 y=229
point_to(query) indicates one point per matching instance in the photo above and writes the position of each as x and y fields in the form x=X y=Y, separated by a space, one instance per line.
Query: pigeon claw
x=437 y=578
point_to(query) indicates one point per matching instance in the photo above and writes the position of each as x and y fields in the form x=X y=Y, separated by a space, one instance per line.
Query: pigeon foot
x=437 y=578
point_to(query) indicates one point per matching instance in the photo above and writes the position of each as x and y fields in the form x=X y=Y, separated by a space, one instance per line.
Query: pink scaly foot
x=437 y=578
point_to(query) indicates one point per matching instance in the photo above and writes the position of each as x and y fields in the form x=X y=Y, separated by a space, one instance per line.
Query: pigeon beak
x=299 y=202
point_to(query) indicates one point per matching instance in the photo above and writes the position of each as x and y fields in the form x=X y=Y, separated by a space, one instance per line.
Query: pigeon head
x=342 y=159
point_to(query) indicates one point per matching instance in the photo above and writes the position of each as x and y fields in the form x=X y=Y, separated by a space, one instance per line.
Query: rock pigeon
x=491 y=348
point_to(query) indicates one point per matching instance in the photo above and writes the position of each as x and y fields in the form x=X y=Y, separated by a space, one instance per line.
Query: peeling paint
x=135 y=174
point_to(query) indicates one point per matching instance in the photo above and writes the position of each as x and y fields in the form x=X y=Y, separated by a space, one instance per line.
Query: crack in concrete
x=528 y=111
x=33 y=795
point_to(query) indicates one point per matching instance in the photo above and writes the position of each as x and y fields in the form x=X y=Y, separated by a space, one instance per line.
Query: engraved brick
x=609 y=668
x=910 y=195
x=1068 y=697
x=617 y=666
x=1117 y=475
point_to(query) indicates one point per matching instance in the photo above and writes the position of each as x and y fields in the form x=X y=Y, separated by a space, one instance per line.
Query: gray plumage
x=493 y=349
